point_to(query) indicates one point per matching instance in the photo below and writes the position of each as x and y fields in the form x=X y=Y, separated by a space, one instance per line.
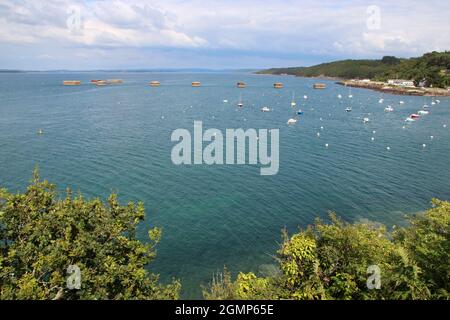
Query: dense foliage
x=330 y=261
x=41 y=236
x=432 y=69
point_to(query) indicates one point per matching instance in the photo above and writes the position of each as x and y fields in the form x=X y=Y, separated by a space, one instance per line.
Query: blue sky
x=104 y=34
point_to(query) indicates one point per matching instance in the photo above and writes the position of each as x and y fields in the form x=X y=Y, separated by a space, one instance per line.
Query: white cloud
x=263 y=28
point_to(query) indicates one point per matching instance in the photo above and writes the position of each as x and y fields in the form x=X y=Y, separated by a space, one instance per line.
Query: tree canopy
x=332 y=261
x=45 y=241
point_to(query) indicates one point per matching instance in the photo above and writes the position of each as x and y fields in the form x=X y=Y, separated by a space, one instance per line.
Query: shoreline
x=377 y=86
x=385 y=88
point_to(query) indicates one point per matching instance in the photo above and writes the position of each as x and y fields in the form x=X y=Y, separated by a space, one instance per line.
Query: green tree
x=42 y=235
x=330 y=261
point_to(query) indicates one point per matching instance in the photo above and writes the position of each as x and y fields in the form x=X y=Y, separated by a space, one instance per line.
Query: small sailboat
x=348 y=109
x=425 y=106
x=388 y=109
x=240 y=103
x=293 y=103
x=366 y=120
x=291 y=121
x=40 y=131
x=265 y=109
x=381 y=100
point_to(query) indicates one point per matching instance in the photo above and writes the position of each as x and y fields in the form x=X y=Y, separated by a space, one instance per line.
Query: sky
x=141 y=34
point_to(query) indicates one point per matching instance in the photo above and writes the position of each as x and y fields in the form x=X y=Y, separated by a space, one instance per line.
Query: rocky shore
x=384 y=87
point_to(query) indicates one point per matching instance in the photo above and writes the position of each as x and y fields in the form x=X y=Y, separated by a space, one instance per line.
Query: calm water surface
x=117 y=138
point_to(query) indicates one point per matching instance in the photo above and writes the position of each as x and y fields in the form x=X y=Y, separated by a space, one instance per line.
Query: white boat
x=366 y=120
x=293 y=103
x=350 y=96
x=381 y=100
x=291 y=121
x=402 y=102
x=40 y=131
x=240 y=103
x=433 y=103
x=425 y=106
x=299 y=112
x=305 y=97
x=409 y=119
x=438 y=101
x=423 y=112
x=348 y=109
x=265 y=109
x=225 y=101
x=339 y=96
x=388 y=109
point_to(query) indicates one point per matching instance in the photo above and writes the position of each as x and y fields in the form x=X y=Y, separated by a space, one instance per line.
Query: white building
x=401 y=82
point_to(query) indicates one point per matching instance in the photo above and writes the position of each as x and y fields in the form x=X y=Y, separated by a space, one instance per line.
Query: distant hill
x=432 y=68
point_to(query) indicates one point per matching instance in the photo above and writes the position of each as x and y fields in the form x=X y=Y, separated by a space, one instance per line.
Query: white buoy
x=373 y=139
x=388 y=148
x=321 y=128
x=318 y=134
x=432 y=137
x=424 y=145
x=374 y=131
x=339 y=96
x=445 y=126
x=305 y=97
x=162 y=117
x=403 y=127
x=320 y=118
x=326 y=145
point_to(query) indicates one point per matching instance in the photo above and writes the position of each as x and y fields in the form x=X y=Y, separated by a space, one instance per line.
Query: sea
x=117 y=138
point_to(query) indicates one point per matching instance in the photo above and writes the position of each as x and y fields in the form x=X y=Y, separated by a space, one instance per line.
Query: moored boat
x=71 y=82
x=278 y=85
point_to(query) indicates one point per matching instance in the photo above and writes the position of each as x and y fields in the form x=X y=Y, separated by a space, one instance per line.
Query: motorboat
x=292 y=121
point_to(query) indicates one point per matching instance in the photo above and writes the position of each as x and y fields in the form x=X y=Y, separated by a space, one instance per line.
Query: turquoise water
x=117 y=138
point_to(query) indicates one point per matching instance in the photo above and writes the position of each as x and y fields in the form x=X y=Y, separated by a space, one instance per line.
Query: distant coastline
x=383 y=87
x=425 y=75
